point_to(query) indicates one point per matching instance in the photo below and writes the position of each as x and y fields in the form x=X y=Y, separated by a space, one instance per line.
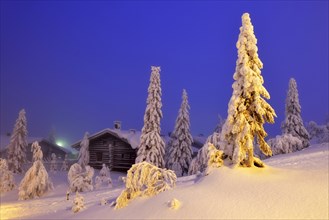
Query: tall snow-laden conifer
x=17 y=147
x=180 y=148
x=83 y=158
x=247 y=109
x=152 y=146
x=293 y=123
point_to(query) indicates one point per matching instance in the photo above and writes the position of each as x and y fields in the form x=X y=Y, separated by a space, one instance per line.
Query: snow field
x=291 y=186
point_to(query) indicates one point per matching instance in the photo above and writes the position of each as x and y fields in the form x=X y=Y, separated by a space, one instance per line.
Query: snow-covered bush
x=214 y=156
x=293 y=123
x=36 y=181
x=174 y=204
x=80 y=180
x=248 y=110
x=180 y=147
x=78 y=203
x=65 y=165
x=53 y=163
x=208 y=156
x=286 y=143
x=145 y=179
x=104 y=177
x=152 y=146
x=16 y=152
x=318 y=133
x=7 y=182
x=83 y=158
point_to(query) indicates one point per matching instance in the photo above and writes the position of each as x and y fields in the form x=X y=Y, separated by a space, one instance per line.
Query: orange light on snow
x=10 y=212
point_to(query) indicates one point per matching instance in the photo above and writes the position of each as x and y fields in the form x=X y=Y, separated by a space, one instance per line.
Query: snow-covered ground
x=292 y=186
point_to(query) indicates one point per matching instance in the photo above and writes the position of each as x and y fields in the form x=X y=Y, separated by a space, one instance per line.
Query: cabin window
x=99 y=156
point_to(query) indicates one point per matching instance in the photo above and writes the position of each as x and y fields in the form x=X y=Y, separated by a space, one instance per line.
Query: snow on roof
x=131 y=137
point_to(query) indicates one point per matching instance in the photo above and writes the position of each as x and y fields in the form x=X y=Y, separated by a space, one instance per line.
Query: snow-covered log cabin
x=118 y=148
x=114 y=147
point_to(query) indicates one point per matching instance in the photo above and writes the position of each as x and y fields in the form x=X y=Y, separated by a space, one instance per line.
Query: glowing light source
x=59 y=143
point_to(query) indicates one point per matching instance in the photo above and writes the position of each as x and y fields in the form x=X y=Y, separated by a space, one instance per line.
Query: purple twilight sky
x=77 y=66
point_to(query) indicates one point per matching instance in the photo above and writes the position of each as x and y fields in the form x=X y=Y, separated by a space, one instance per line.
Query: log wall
x=114 y=152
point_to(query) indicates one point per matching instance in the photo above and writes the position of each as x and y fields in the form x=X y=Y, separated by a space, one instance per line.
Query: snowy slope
x=292 y=186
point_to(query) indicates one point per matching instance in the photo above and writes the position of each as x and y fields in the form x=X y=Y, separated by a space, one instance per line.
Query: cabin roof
x=130 y=137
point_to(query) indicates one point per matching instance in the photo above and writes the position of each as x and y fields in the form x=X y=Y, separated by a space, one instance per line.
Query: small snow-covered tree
x=78 y=203
x=16 y=153
x=7 y=182
x=65 y=165
x=36 y=181
x=208 y=156
x=247 y=109
x=104 y=177
x=145 y=179
x=53 y=163
x=80 y=180
x=180 y=148
x=152 y=146
x=83 y=158
x=293 y=123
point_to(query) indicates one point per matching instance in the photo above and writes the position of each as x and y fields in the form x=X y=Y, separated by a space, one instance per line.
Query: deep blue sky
x=77 y=66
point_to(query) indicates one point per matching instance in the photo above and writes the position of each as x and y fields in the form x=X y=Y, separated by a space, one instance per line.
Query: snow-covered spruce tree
x=16 y=153
x=293 y=123
x=80 y=180
x=83 y=158
x=53 y=163
x=65 y=165
x=152 y=146
x=145 y=179
x=6 y=177
x=180 y=148
x=36 y=181
x=247 y=109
